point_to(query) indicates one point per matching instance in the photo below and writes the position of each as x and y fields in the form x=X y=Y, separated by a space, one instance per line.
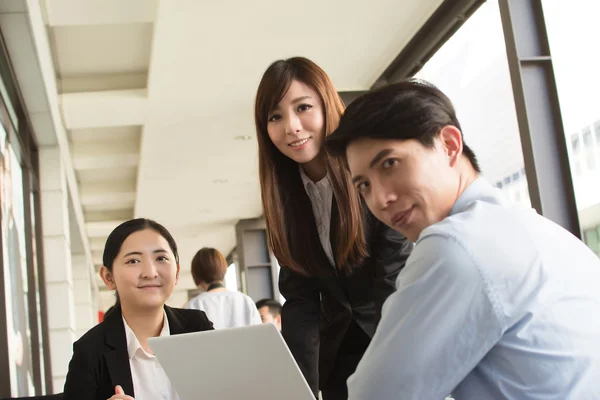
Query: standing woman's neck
x=215 y=286
x=316 y=169
x=145 y=323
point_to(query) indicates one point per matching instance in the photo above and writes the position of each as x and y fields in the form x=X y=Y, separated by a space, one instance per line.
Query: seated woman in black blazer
x=113 y=360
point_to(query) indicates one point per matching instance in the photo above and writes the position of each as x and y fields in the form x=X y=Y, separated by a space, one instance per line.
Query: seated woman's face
x=145 y=270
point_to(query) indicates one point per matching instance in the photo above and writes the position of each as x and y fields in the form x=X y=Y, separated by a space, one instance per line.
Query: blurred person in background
x=270 y=312
x=226 y=309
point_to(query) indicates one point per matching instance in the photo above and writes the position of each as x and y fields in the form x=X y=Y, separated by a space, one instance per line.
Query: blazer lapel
x=176 y=323
x=116 y=356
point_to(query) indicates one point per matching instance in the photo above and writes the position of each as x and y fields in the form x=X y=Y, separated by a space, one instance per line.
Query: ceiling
x=157 y=98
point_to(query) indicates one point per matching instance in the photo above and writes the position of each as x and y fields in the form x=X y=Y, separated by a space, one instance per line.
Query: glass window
x=9 y=104
x=15 y=272
x=472 y=69
x=590 y=150
x=231 y=282
x=578 y=170
x=573 y=35
x=38 y=302
x=592 y=240
x=591 y=159
x=587 y=138
x=576 y=157
x=575 y=143
x=22 y=307
x=597 y=134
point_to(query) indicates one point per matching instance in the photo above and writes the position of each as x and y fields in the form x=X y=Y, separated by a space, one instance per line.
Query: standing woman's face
x=297 y=124
x=145 y=272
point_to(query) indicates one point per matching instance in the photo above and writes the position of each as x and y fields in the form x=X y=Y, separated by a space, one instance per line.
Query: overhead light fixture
x=243 y=137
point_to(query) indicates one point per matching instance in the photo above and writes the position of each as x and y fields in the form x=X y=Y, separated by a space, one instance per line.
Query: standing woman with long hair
x=339 y=263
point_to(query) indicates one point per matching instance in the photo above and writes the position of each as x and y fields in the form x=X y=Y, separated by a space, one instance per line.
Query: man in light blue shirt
x=495 y=302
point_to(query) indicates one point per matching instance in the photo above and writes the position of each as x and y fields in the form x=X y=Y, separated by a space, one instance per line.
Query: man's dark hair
x=411 y=109
x=273 y=305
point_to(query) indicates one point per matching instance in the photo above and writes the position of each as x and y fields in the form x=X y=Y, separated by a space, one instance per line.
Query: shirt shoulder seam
x=490 y=291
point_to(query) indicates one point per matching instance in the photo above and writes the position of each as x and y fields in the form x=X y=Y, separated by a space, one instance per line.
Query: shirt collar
x=133 y=344
x=479 y=189
x=306 y=181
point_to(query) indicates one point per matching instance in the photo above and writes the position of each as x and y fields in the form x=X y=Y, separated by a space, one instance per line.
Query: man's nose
x=384 y=195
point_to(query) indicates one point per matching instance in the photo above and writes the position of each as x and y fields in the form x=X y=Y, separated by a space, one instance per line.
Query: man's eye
x=389 y=163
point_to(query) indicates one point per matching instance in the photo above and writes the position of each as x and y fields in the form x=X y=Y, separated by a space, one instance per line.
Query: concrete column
x=57 y=263
x=85 y=310
x=257 y=268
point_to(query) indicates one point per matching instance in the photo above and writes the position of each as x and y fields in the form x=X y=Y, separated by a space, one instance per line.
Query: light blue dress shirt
x=495 y=302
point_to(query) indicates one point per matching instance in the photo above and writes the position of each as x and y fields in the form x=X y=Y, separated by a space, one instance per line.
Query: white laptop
x=251 y=362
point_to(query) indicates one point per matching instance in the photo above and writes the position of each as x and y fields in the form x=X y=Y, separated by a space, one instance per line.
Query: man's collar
x=477 y=190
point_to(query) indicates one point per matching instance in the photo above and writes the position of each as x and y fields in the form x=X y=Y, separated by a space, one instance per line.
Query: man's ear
x=108 y=278
x=452 y=142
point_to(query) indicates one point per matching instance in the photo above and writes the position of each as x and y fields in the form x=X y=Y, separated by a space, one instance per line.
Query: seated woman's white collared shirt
x=149 y=379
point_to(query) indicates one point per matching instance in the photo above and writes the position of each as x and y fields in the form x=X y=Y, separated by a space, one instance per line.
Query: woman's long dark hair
x=291 y=227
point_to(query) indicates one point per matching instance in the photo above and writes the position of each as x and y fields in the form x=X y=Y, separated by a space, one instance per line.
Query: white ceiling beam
x=104 y=109
x=95 y=83
x=26 y=69
x=97 y=257
x=94 y=213
x=106 y=161
x=100 y=147
x=111 y=174
x=105 y=155
x=14 y=6
x=97 y=244
x=101 y=229
x=92 y=188
x=108 y=201
x=99 y=12
x=117 y=134
x=108 y=195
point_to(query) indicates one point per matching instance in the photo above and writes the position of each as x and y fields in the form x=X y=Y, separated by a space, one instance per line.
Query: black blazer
x=100 y=359
x=321 y=312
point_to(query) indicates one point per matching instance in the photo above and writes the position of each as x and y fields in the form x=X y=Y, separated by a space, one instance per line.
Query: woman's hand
x=120 y=394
